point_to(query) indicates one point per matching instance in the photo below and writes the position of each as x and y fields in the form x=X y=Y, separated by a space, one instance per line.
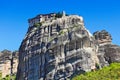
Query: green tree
x=111 y=72
x=58 y=15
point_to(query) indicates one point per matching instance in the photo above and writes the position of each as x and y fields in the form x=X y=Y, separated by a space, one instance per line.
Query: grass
x=111 y=72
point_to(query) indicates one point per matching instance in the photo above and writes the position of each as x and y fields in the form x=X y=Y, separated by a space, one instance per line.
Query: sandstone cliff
x=56 y=48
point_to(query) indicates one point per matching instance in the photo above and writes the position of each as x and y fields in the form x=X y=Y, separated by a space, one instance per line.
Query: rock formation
x=56 y=47
x=107 y=52
x=102 y=37
x=8 y=63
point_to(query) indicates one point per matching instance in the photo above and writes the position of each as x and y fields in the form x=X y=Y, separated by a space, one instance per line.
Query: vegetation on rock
x=38 y=24
x=111 y=72
x=8 y=77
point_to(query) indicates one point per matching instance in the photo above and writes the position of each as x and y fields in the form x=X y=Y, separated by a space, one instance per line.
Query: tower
x=63 y=13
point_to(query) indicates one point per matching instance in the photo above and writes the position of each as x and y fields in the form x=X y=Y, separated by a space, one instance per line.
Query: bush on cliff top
x=111 y=72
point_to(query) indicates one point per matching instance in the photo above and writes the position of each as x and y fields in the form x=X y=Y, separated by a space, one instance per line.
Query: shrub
x=8 y=77
x=61 y=32
x=111 y=72
x=38 y=24
x=58 y=15
x=97 y=66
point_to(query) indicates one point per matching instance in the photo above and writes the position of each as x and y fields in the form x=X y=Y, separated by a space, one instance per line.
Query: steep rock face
x=56 y=48
x=8 y=63
x=107 y=52
x=102 y=37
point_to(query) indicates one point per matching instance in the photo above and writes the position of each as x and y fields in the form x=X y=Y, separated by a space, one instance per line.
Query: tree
x=58 y=15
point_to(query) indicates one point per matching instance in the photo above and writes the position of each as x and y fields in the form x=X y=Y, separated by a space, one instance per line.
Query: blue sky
x=97 y=14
